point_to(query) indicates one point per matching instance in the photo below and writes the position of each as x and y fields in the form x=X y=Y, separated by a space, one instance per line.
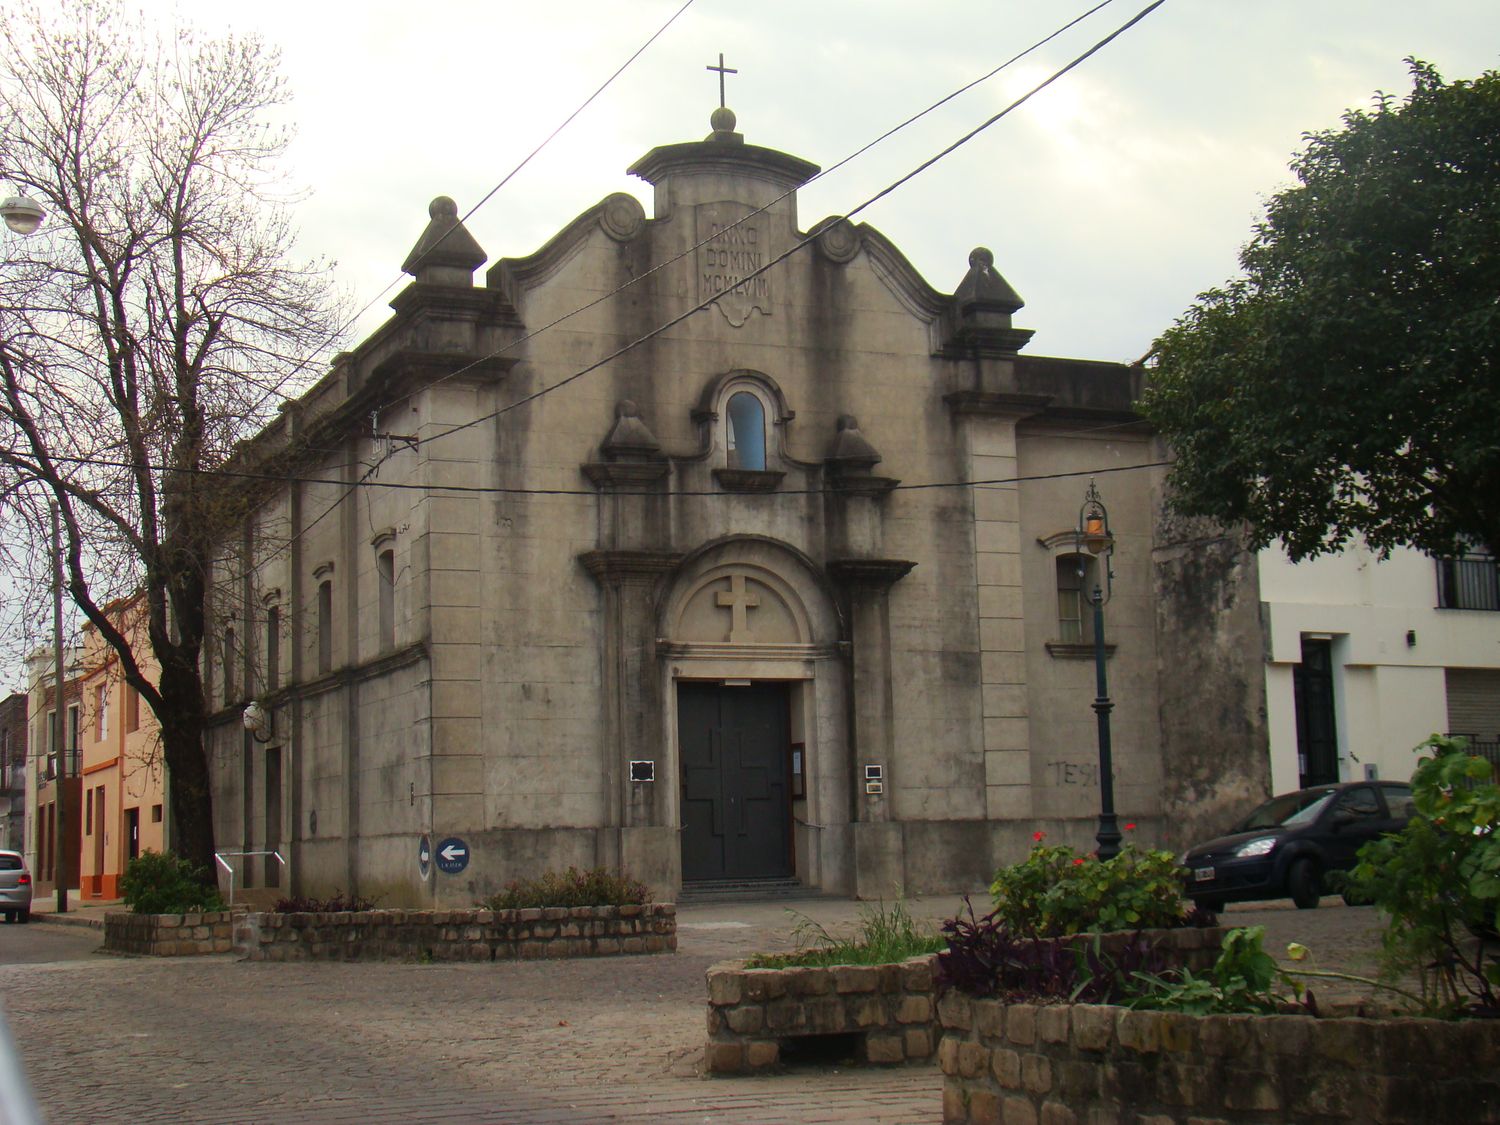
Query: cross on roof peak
x=723 y=70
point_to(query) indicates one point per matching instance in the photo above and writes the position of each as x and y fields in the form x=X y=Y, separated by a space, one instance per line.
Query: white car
x=15 y=887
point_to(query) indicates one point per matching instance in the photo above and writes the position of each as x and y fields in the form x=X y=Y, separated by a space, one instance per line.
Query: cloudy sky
x=1110 y=199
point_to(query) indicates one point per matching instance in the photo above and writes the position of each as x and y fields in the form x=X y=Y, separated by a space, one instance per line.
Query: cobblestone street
x=618 y=1039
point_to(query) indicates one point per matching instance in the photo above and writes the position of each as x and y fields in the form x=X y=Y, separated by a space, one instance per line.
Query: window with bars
x=1471 y=581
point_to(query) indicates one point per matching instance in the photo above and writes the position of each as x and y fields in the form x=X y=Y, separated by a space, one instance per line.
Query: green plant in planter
x=1438 y=882
x=162 y=883
x=1241 y=982
x=886 y=934
x=598 y=886
x=1056 y=891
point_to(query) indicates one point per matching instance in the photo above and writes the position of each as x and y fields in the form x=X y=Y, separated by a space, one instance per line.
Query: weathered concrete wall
x=1211 y=651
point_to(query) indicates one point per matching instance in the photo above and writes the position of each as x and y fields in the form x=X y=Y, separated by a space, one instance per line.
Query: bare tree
x=155 y=320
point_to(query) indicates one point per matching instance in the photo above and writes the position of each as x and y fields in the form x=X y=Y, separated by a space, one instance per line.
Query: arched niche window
x=746 y=432
x=1075 y=574
x=1073 y=620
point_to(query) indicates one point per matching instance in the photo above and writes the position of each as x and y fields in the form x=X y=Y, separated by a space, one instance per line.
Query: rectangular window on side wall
x=273 y=647
x=325 y=626
x=132 y=708
x=385 y=578
x=231 y=658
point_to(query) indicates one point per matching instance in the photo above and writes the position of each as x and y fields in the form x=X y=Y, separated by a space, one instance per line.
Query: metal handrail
x=220 y=857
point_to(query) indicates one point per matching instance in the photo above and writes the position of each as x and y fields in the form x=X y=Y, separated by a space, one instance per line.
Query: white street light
x=22 y=215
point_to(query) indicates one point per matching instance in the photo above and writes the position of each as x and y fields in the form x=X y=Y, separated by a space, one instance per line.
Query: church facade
x=787 y=587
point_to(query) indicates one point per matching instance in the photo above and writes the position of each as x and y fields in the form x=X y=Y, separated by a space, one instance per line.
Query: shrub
x=987 y=957
x=338 y=904
x=1056 y=891
x=162 y=883
x=1240 y=982
x=1438 y=882
x=885 y=934
x=598 y=886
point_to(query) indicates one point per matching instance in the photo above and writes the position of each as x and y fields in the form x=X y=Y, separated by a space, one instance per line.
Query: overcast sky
x=1110 y=199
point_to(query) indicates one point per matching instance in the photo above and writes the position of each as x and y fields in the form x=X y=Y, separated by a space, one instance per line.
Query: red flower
x=1130 y=827
x=1078 y=862
x=1038 y=836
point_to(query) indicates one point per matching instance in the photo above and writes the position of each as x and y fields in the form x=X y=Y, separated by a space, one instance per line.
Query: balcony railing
x=1472 y=582
x=46 y=768
x=1486 y=748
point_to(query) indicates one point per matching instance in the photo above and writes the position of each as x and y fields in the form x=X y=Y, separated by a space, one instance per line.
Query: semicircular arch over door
x=754 y=694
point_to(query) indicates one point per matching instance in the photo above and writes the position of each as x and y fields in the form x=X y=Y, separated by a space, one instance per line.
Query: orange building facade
x=121 y=773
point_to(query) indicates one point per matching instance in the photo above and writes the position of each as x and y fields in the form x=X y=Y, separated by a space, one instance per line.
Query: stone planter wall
x=459 y=935
x=892 y=1008
x=752 y=1011
x=1062 y=1063
x=170 y=935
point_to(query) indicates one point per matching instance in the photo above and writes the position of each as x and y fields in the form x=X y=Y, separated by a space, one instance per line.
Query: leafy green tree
x=1345 y=386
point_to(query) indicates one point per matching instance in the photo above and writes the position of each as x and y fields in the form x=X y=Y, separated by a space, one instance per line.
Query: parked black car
x=1285 y=847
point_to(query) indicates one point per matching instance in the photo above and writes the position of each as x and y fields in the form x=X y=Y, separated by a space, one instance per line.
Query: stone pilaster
x=632 y=688
x=989 y=425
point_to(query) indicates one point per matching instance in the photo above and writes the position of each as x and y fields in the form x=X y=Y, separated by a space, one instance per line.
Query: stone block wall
x=170 y=935
x=459 y=935
x=1061 y=1064
x=752 y=1011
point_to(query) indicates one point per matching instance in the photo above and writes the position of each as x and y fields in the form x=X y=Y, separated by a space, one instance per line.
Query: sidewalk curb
x=92 y=922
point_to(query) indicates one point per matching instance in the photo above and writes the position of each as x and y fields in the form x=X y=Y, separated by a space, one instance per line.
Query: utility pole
x=61 y=860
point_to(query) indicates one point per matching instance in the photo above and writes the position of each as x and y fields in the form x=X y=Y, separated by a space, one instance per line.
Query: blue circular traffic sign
x=452 y=855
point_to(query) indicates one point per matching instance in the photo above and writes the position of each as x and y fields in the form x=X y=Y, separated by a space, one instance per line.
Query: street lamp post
x=1093 y=535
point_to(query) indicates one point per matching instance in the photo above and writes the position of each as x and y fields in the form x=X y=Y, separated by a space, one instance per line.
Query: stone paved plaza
x=107 y=1038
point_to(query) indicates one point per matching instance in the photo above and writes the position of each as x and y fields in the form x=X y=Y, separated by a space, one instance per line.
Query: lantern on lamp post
x=1093 y=536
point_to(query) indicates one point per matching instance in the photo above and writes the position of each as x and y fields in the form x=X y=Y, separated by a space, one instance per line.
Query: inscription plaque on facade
x=732 y=248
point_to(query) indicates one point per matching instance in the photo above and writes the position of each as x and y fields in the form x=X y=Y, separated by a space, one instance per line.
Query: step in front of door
x=741 y=890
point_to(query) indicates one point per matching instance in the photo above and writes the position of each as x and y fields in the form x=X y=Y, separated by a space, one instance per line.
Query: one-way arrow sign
x=452 y=856
x=424 y=856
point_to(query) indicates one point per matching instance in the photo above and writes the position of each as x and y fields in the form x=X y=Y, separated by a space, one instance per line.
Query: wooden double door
x=735 y=746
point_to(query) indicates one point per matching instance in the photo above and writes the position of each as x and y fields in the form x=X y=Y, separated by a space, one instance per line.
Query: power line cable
x=858 y=152
x=695 y=247
x=365 y=481
x=276 y=388
x=795 y=247
x=701 y=305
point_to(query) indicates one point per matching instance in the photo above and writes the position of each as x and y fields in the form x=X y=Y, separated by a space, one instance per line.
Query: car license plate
x=1202 y=874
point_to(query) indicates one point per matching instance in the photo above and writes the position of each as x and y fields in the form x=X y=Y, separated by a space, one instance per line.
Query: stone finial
x=723 y=122
x=851 y=451
x=630 y=439
x=978 y=322
x=446 y=254
x=984 y=285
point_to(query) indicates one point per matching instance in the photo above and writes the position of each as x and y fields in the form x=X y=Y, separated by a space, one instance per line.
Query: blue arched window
x=747 y=432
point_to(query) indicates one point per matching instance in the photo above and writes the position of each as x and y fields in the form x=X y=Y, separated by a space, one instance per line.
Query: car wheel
x=1302 y=884
x=22 y=916
x=1212 y=905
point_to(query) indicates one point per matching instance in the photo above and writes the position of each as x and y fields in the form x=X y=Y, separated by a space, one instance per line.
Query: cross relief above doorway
x=739 y=605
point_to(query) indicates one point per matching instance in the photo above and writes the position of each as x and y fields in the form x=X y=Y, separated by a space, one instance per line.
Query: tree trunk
x=183 y=751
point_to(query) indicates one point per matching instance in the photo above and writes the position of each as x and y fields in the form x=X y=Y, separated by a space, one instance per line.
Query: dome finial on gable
x=446 y=254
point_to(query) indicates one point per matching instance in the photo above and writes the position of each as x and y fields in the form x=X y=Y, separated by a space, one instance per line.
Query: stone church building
x=564 y=572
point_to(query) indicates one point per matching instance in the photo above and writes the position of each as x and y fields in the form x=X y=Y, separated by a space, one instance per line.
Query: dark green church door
x=736 y=810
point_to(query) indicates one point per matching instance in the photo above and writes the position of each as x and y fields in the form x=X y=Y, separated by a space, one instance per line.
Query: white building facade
x=1367 y=657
